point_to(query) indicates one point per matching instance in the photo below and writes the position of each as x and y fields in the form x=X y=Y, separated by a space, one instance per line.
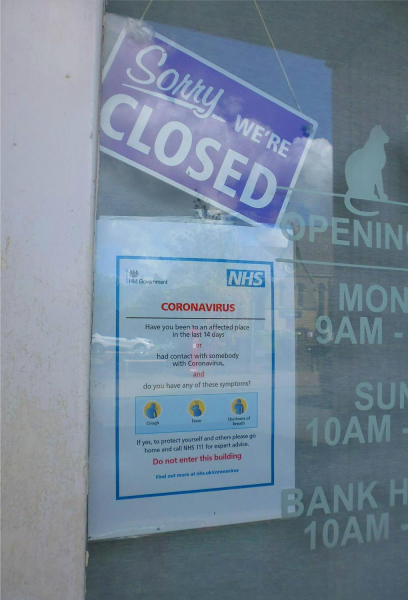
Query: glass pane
x=248 y=382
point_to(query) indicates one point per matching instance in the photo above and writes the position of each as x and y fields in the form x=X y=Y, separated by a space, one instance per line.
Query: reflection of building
x=312 y=293
x=311 y=299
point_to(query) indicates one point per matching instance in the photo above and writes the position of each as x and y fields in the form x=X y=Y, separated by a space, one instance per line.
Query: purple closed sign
x=185 y=121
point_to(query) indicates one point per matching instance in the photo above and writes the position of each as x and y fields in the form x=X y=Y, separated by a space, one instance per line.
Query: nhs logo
x=245 y=278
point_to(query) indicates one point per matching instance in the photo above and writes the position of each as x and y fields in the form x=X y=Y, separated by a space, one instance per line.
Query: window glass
x=249 y=385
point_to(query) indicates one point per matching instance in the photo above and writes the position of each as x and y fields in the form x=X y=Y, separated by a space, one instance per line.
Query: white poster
x=192 y=385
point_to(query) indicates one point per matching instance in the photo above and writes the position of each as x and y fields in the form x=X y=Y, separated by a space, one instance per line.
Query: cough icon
x=152 y=410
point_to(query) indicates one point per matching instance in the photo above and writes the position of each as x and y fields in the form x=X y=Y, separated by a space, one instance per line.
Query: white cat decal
x=364 y=171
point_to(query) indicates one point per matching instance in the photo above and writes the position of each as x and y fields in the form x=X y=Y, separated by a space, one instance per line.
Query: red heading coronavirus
x=197 y=307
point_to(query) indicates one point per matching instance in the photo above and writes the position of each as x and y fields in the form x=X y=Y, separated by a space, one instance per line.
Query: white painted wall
x=50 y=81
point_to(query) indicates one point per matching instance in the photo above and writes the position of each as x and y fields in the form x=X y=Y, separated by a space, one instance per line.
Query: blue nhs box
x=245 y=278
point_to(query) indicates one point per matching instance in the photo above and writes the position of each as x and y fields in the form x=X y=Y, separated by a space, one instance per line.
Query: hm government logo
x=245 y=278
x=131 y=275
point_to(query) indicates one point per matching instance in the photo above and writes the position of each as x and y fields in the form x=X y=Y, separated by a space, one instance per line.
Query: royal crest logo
x=131 y=275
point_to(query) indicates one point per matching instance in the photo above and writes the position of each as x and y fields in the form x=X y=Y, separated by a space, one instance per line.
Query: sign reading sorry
x=184 y=120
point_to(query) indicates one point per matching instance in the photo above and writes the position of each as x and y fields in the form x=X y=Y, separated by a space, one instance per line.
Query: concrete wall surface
x=50 y=77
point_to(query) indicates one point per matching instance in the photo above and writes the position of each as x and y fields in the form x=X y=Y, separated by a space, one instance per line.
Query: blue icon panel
x=196 y=412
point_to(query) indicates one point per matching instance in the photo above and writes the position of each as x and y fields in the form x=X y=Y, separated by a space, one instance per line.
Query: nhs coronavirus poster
x=192 y=384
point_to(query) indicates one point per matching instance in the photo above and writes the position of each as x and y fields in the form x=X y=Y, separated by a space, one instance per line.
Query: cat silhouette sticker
x=364 y=171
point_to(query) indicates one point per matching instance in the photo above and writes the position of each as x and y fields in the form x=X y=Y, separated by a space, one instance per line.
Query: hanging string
x=269 y=38
x=292 y=92
x=277 y=55
x=145 y=10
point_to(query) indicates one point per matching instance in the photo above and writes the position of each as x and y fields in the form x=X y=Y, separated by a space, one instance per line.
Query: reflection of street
x=317 y=353
x=136 y=350
x=131 y=351
x=102 y=344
